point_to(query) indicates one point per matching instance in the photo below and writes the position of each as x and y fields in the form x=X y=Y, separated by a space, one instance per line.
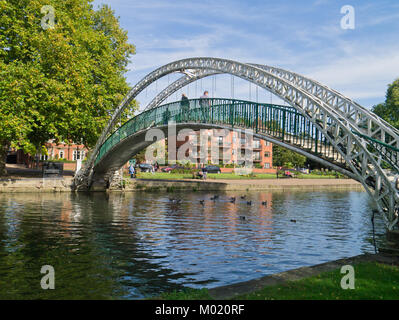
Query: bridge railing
x=281 y=122
x=389 y=154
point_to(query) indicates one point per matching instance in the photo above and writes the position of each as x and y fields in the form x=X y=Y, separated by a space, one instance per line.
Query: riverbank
x=153 y=185
x=29 y=185
x=376 y=277
x=243 y=185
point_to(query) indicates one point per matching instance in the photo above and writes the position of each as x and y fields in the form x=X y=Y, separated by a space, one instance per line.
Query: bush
x=61 y=160
x=184 y=171
x=229 y=165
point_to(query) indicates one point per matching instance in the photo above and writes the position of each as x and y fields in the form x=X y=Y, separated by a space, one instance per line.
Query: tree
x=389 y=110
x=283 y=157
x=61 y=83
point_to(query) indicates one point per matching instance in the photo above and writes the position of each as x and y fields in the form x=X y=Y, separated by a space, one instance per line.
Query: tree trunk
x=3 y=158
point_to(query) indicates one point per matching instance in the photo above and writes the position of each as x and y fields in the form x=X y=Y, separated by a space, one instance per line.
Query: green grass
x=232 y=176
x=186 y=294
x=164 y=175
x=316 y=176
x=221 y=176
x=373 y=281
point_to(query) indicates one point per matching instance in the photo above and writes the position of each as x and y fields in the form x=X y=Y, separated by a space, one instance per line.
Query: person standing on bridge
x=166 y=116
x=205 y=104
x=185 y=106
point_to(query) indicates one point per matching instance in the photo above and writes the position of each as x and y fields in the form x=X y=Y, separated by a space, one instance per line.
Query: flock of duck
x=231 y=200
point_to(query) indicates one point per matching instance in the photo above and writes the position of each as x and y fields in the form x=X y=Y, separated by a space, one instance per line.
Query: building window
x=43 y=157
x=267 y=143
x=61 y=154
x=78 y=155
x=256 y=156
x=267 y=154
x=267 y=165
x=256 y=144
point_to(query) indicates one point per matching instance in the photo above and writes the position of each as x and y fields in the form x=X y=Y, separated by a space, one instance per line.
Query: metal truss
x=178 y=84
x=333 y=114
x=360 y=119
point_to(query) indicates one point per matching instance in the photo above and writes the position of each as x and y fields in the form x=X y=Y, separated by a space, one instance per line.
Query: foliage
x=229 y=165
x=389 y=109
x=184 y=171
x=61 y=83
x=283 y=157
x=140 y=157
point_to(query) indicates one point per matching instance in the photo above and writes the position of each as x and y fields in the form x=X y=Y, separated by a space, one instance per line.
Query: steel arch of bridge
x=337 y=117
x=370 y=126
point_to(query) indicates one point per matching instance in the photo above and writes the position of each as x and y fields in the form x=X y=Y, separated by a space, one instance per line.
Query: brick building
x=231 y=149
x=69 y=152
x=226 y=149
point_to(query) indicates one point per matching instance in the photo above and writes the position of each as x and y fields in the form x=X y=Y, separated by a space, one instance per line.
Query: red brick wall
x=254 y=170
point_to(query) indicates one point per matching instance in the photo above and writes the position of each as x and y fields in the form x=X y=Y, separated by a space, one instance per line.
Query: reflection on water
x=140 y=244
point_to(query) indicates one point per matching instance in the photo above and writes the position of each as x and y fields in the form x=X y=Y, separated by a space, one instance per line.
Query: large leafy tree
x=283 y=157
x=59 y=83
x=389 y=110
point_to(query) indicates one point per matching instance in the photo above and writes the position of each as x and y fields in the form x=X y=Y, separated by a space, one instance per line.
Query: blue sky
x=302 y=36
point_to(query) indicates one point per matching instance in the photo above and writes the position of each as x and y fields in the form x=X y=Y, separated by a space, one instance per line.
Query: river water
x=136 y=245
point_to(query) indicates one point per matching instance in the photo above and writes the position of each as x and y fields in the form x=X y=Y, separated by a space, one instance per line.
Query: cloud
x=306 y=39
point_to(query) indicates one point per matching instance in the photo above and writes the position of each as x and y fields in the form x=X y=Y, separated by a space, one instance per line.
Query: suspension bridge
x=319 y=123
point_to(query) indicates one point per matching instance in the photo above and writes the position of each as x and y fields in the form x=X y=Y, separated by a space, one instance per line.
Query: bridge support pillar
x=98 y=186
x=112 y=180
x=393 y=238
x=116 y=180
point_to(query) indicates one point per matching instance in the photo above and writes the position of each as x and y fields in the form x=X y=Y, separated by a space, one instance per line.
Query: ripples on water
x=140 y=244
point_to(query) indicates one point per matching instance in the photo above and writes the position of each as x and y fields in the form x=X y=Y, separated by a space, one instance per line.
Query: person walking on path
x=204 y=173
x=132 y=171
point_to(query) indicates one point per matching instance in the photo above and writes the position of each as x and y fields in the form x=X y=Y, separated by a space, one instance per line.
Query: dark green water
x=129 y=246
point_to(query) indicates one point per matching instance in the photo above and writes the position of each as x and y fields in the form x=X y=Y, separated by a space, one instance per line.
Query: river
x=136 y=245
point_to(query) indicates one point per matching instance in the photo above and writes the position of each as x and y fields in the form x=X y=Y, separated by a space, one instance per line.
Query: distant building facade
x=70 y=152
x=55 y=151
x=226 y=149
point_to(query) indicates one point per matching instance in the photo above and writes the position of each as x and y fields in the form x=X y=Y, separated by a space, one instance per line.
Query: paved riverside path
x=234 y=290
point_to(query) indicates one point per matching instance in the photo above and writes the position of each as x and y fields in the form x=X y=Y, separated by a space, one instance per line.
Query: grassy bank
x=223 y=176
x=373 y=281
